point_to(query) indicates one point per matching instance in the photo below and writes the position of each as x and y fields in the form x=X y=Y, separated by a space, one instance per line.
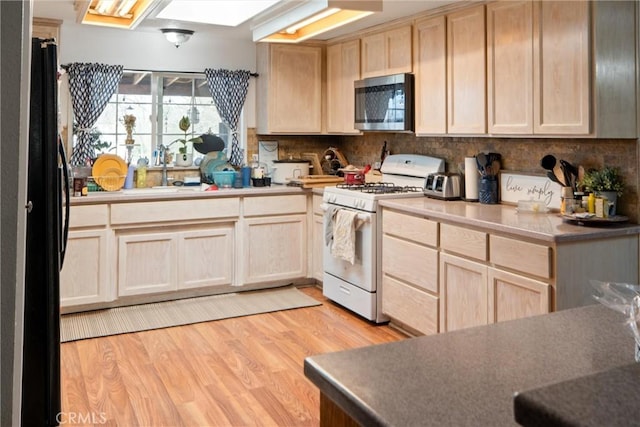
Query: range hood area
x=292 y=21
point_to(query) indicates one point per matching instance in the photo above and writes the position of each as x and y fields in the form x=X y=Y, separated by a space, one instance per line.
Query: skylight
x=229 y=13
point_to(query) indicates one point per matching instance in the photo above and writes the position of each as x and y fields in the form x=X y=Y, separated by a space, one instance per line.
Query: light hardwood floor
x=233 y=372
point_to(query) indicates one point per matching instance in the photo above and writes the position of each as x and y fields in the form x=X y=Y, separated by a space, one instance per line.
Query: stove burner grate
x=379 y=188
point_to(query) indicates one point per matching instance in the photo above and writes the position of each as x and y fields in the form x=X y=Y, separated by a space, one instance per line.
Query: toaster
x=443 y=185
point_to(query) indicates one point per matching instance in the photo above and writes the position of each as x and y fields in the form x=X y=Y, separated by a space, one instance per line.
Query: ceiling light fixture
x=294 y=20
x=177 y=36
x=112 y=13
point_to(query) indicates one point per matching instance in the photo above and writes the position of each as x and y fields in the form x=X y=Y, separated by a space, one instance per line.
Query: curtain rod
x=65 y=66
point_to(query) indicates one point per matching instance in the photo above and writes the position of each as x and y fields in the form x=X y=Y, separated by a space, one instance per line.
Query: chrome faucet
x=162 y=155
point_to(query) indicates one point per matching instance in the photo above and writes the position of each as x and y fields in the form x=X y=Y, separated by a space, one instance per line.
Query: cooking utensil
x=483 y=162
x=548 y=162
x=552 y=176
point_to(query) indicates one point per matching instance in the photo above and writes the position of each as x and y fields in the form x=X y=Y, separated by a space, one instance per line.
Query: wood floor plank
x=245 y=371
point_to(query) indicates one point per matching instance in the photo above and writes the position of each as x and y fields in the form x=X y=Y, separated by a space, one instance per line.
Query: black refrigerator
x=47 y=227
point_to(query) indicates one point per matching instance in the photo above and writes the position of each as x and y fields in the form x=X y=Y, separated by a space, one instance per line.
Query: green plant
x=605 y=179
x=184 y=126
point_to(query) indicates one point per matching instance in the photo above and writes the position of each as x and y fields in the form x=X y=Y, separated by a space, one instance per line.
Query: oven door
x=362 y=273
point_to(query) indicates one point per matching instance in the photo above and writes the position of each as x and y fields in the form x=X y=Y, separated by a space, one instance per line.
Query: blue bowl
x=223 y=179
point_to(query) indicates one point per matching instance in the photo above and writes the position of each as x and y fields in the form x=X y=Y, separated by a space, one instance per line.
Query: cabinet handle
x=345 y=290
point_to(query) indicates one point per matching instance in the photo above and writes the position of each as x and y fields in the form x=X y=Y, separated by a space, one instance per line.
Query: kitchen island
x=467 y=377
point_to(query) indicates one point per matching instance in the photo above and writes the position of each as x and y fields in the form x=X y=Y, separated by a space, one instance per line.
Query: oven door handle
x=361 y=217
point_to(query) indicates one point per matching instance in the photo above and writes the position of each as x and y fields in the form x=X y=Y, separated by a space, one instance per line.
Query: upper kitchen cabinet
x=510 y=67
x=546 y=57
x=289 y=89
x=466 y=71
x=343 y=68
x=430 y=67
x=561 y=67
x=387 y=52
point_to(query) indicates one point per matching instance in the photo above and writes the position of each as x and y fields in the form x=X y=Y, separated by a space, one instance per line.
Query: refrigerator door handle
x=67 y=203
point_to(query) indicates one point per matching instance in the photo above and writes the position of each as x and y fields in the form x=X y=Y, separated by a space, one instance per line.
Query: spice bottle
x=566 y=201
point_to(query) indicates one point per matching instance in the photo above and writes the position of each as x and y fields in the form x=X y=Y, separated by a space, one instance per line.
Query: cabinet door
x=343 y=68
x=318 y=243
x=412 y=307
x=84 y=278
x=206 y=257
x=275 y=248
x=430 y=68
x=295 y=89
x=513 y=297
x=373 y=58
x=388 y=52
x=147 y=263
x=398 y=50
x=466 y=71
x=510 y=67
x=463 y=293
x=561 y=70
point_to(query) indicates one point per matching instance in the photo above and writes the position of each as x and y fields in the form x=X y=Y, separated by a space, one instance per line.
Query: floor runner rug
x=135 y=318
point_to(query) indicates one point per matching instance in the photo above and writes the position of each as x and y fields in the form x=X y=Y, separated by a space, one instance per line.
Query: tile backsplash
x=518 y=154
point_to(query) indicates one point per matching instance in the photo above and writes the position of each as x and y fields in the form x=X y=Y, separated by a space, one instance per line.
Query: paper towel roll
x=470 y=179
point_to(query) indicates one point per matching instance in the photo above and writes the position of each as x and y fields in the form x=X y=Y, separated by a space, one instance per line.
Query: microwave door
x=377 y=104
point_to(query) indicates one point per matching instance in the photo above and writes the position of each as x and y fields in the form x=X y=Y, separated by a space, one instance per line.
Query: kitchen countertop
x=180 y=193
x=548 y=227
x=469 y=377
x=608 y=398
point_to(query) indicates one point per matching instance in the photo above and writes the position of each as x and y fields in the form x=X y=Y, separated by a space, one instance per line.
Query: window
x=158 y=101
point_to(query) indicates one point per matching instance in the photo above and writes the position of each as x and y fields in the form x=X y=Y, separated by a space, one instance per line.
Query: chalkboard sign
x=515 y=186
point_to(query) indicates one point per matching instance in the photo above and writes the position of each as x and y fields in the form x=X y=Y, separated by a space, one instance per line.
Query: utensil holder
x=488 y=190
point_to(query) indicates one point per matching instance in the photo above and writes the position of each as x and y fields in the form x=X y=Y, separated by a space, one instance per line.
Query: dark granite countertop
x=608 y=398
x=469 y=377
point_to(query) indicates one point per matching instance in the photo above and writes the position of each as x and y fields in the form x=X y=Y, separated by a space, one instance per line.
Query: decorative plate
x=584 y=219
x=109 y=172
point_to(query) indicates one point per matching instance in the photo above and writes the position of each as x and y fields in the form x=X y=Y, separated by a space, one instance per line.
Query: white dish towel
x=345 y=224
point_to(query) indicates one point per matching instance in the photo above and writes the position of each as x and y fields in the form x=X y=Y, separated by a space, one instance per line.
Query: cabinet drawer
x=410 y=227
x=463 y=241
x=136 y=213
x=89 y=216
x=522 y=256
x=410 y=262
x=275 y=205
x=414 y=308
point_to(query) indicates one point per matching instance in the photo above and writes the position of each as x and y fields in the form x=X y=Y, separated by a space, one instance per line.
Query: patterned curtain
x=91 y=86
x=229 y=91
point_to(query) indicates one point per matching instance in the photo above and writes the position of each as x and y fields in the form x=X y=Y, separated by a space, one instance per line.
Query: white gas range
x=357 y=286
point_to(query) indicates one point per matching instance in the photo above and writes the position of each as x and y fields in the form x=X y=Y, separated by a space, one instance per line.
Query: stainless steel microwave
x=384 y=103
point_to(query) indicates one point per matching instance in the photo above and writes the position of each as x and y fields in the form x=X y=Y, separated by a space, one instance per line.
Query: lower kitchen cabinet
x=274 y=248
x=317 y=238
x=274 y=238
x=150 y=261
x=84 y=278
x=147 y=263
x=463 y=293
x=512 y=296
x=206 y=257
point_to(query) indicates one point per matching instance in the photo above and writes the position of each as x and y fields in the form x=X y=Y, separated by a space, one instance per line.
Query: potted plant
x=606 y=182
x=184 y=157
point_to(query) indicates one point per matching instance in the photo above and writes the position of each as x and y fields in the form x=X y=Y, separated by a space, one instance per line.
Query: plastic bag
x=622 y=297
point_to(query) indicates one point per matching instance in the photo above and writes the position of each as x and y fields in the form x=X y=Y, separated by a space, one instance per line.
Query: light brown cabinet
x=274 y=238
x=466 y=71
x=510 y=67
x=430 y=68
x=317 y=238
x=289 y=89
x=387 y=52
x=46 y=28
x=512 y=296
x=86 y=272
x=343 y=69
x=561 y=67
